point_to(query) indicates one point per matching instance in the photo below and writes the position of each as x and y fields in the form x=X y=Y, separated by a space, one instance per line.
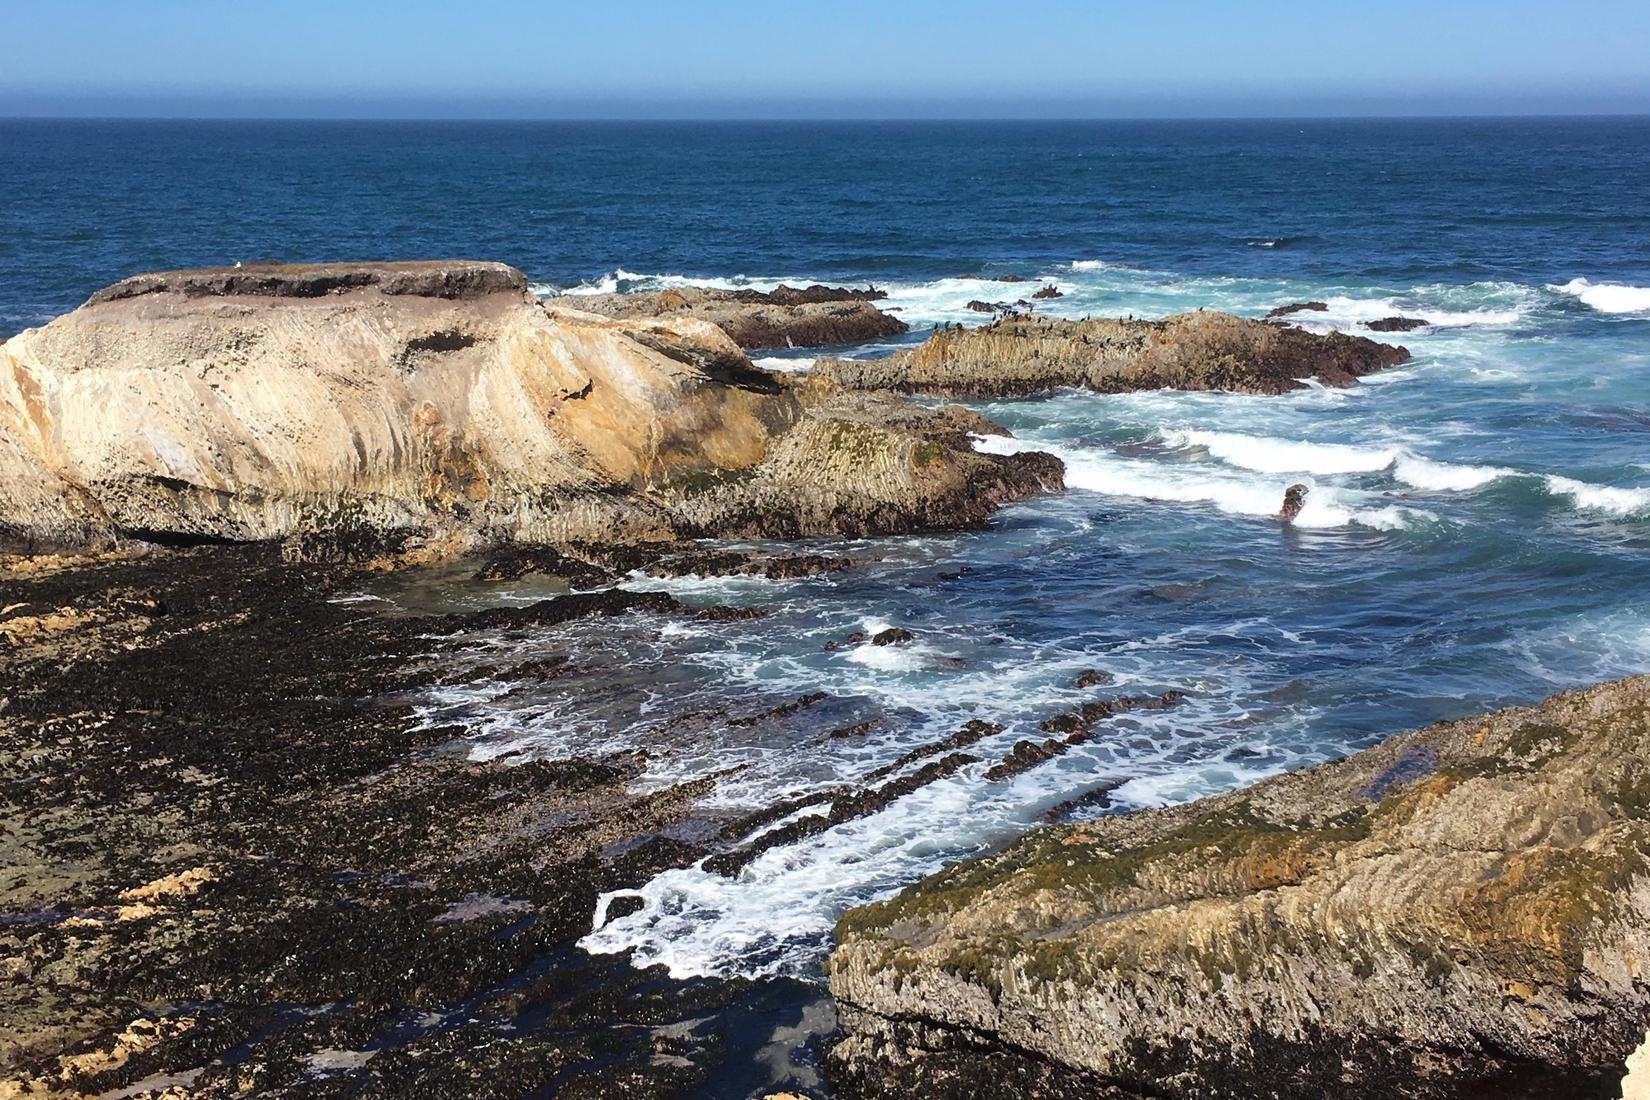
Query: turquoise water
x=1477 y=532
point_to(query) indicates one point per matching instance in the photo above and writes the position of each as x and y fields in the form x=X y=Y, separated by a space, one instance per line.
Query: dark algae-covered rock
x=237 y=864
x=1460 y=910
x=1397 y=324
x=1299 y=307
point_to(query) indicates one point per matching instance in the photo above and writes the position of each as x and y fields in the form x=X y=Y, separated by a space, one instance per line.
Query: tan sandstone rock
x=1464 y=905
x=438 y=402
x=784 y=317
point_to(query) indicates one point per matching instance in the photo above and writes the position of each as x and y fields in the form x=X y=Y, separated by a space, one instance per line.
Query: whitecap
x=1267 y=455
x=1601 y=498
x=1608 y=297
x=1264 y=454
x=1429 y=474
x=1353 y=314
x=1113 y=475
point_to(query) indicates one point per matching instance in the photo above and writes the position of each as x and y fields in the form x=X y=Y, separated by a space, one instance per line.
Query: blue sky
x=847 y=58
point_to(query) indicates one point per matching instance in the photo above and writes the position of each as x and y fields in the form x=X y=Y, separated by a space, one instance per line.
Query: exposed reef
x=423 y=408
x=1463 y=907
x=1019 y=356
x=813 y=316
x=236 y=863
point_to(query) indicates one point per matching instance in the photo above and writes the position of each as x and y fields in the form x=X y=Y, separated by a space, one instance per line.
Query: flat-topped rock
x=1018 y=356
x=813 y=316
x=1460 y=910
x=454 y=280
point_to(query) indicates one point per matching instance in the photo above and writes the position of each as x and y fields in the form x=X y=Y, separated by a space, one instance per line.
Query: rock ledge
x=1463 y=906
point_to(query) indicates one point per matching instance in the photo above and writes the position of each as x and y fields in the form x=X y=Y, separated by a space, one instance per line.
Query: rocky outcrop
x=1463 y=907
x=1017 y=356
x=355 y=407
x=1294 y=502
x=813 y=316
x=1298 y=307
x=1397 y=324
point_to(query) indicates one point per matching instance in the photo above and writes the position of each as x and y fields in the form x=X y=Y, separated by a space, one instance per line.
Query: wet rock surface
x=1024 y=355
x=1397 y=324
x=1298 y=307
x=813 y=316
x=1458 y=911
x=235 y=863
x=1294 y=502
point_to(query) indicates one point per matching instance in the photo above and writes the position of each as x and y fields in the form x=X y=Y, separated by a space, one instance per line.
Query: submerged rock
x=1466 y=906
x=363 y=409
x=1016 y=356
x=1294 y=500
x=894 y=635
x=783 y=317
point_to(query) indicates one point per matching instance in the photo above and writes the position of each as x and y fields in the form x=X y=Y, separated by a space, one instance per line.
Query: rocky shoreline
x=1460 y=908
x=237 y=862
x=241 y=862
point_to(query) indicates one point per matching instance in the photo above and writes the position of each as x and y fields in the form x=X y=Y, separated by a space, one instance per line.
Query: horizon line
x=1343 y=117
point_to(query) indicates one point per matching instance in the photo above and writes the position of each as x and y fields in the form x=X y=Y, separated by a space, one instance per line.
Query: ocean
x=1477 y=532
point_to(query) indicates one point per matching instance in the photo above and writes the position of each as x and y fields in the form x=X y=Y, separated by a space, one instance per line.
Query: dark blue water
x=1477 y=530
x=1406 y=201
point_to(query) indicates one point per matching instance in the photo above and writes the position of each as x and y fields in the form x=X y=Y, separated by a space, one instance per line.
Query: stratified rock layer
x=812 y=316
x=350 y=405
x=1016 y=356
x=1466 y=905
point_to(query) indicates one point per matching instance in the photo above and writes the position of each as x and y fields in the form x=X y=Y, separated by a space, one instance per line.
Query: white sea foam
x=1426 y=473
x=1349 y=314
x=622 y=280
x=773 y=916
x=782 y=363
x=1608 y=297
x=1277 y=456
x=912 y=656
x=1281 y=456
x=1601 y=498
x=1101 y=471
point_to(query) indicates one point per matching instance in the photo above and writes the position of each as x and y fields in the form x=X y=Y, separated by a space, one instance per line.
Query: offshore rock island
x=257 y=842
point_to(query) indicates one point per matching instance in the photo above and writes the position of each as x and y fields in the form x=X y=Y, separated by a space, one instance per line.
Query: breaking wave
x=1608 y=297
